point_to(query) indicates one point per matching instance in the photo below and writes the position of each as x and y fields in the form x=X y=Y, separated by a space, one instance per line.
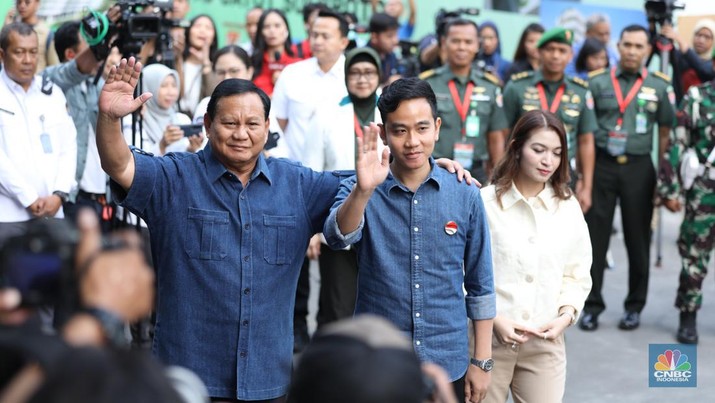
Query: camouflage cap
x=560 y=35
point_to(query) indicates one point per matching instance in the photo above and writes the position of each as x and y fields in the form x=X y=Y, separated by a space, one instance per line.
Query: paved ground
x=612 y=365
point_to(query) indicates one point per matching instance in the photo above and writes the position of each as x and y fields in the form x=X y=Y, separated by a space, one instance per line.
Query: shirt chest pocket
x=278 y=234
x=206 y=233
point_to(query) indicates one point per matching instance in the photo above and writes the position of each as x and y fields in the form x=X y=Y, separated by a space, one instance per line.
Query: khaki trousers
x=535 y=372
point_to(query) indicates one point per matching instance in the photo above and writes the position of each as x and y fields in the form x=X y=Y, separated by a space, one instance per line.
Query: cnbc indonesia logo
x=672 y=368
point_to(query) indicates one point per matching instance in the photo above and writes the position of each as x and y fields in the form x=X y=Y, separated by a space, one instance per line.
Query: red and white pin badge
x=450 y=228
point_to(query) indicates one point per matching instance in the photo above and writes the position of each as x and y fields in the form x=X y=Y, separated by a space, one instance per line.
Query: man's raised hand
x=371 y=166
x=117 y=97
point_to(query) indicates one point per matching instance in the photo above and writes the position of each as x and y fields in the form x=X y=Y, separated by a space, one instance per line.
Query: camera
x=661 y=11
x=140 y=21
x=39 y=262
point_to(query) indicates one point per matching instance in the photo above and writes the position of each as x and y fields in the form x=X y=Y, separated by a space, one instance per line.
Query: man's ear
x=383 y=133
x=437 y=125
x=207 y=123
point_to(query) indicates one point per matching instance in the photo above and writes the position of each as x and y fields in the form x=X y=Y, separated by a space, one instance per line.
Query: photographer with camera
x=694 y=63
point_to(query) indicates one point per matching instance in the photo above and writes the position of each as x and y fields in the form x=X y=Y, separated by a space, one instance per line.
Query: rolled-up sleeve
x=478 y=272
x=335 y=239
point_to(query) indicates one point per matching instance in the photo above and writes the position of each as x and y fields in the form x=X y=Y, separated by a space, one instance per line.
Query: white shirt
x=542 y=254
x=300 y=90
x=192 y=86
x=38 y=147
x=331 y=144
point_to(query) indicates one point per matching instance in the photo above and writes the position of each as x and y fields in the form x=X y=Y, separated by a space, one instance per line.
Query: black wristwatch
x=484 y=365
x=64 y=197
x=112 y=326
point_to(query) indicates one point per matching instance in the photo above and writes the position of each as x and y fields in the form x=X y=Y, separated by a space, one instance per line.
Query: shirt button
x=417 y=229
x=529 y=278
x=245 y=323
x=415 y=202
x=417 y=315
x=417 y=257
x=245 y=258
x=418 y=342
x=525 y=316
x=243 y=197
x=246 y=291
x=417 y=286
x=243 y=354
x=247 y=227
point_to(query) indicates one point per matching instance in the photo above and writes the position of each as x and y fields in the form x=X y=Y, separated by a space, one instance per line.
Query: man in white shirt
x=299 y=92
x=38 y=150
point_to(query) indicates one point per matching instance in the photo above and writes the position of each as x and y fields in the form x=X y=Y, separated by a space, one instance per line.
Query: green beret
x=560 y=35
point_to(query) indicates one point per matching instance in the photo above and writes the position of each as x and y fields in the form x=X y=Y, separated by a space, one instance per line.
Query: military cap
x=560 y=35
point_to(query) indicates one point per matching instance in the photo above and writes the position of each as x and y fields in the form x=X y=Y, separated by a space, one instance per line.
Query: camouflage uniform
x=696 y=129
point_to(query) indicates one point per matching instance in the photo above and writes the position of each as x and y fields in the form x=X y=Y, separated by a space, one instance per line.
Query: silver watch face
x=488 y=364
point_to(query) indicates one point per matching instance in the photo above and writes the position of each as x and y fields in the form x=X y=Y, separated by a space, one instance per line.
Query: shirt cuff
x=335 y=238
x=482 y=307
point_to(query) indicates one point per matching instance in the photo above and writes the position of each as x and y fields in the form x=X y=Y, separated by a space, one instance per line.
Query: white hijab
x=156 y=118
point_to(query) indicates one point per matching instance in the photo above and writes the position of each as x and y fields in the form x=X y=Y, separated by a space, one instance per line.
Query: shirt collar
x=621 y=73
x=546 y=197
x=15 y=87
x=215 y=169
x=338 y=69
x=473 y=75
x=434 y=177
x=539 y=77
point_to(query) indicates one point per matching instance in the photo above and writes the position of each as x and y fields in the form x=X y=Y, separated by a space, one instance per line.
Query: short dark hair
x=234 y=50
x=342 y=22
x=508 y=167
x=591 y=46
x=20 y=27
x=381 y=22
x=402 y=90
x=310 y=8
x=635 y=28
x=66 y=37
x=458 y=22
x=236 y=86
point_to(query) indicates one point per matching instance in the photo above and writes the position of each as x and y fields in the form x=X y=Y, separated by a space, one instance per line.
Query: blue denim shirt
x=227 y=260
x=411 y=271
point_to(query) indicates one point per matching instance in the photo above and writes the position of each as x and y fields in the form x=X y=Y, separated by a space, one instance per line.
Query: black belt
x=620 y=159
x=98 y=197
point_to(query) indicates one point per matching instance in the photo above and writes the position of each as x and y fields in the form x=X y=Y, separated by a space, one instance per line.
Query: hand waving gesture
x=371 y=167
x=117 y=97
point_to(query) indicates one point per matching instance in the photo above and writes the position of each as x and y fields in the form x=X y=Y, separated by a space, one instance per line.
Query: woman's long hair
x=187 y=40
x=520 y=53
x=260 y=47
x=591 y=46
x=509 y=167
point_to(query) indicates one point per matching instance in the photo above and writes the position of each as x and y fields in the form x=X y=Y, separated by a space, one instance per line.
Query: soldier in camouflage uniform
x=695 y=130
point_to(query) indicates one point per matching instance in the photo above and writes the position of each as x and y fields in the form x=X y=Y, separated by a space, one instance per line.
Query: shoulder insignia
x=492 y=78
x=597 y=72
x=662 y=76
x=46 y=84
x=426 y=74
x=579 y=81
x=521 y=76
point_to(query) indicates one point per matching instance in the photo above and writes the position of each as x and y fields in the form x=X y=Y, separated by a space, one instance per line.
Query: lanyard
x=557 y=98
x=358 y=129
x=623 y=104
x=462 y=107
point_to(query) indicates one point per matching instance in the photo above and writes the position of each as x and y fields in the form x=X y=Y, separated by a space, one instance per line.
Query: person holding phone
x=161 y=132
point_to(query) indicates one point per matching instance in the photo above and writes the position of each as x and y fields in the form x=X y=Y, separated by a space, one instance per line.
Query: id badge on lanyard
x=464 y=154
x=45 y=138
x=618 y=137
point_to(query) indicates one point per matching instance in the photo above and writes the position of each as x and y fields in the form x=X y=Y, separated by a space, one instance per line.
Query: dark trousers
x=338 y=284
x=631 y=184
x=12 y=229
x=458 y=387
x=300 y=312
x=281 y=399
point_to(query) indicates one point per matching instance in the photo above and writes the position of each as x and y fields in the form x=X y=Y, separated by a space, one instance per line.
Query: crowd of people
x=460 y=207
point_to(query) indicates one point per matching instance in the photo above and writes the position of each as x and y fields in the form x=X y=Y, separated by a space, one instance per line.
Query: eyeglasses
x=357 y=75
x=231 y=72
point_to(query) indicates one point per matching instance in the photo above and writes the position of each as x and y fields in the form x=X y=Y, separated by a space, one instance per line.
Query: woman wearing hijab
x=332 y=147
x=160 y=122
x=694 y=62
x=490 y=51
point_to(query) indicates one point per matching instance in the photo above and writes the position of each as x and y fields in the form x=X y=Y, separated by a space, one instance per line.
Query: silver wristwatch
x=484 y=365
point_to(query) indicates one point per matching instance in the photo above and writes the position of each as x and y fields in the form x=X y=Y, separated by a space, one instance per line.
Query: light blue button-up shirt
x=412 y=267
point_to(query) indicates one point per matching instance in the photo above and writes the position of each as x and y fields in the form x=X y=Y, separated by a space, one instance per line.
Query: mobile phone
x=192 y=129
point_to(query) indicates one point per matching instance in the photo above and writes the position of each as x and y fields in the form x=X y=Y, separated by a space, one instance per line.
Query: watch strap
x=112 y=325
